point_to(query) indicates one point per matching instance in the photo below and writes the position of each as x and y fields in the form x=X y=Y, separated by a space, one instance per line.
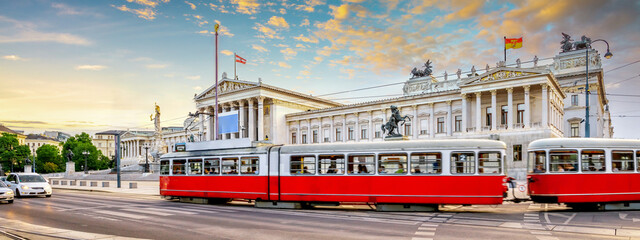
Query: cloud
x=305 y=22
x=288 y=53
x=64 y=9
x=197 y=88
x=13 y=58
x=284 y=65
x=266 y=32
x=246 y=6
x=259 y=48
x=193 y=6
x=305 y=72
x=223 y=31
x=19 y=31
x=148 y=3
x=91 y=67
x=195 y=77
x=309 y=5
x=283 y=11
x=226 y=52
x=146 y=13
x=278 y=22
x=306 y=39
x=156 y=66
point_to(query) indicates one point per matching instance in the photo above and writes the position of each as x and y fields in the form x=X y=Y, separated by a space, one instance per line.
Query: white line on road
x=120 y=214
x=152 y=212
x=170 y=211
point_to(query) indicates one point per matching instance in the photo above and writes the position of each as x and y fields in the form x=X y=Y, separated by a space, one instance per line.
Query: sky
x=98 y=65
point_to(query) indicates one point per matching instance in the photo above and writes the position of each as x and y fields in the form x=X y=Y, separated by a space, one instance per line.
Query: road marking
x=147 y=212
x=169 y=211
x=426 y=233
x=120 y=214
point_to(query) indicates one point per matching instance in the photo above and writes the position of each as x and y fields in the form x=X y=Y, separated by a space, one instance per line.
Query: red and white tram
x=585 y=171
x=457 y=171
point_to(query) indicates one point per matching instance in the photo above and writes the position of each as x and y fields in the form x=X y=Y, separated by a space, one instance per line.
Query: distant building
x=106 y=143
x=35 y=141
x=19 y=134
x=60 y=136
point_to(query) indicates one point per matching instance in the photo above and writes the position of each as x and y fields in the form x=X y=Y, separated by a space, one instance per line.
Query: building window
x=378 y=131
x=304 y=138
x=517 y=152
x=363 y=132
x=458 y=125
x=325 y=135
x=504 y=115
x=350 y=133
x=574 y=100
x=338 y=134
x=424 y=127
x=489 y=111
x=520 y=119
x=575 y=129
x=440 y=124
x=315 y=136
x=293 y=138
x=407 y=128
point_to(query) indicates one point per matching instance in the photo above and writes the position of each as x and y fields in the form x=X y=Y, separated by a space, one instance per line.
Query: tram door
x=273 y=181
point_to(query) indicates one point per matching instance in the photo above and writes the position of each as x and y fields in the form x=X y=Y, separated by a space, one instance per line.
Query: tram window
x=303 y=165
x=489 y=163
x=463 y=162
x=211 y=166
x=638 y=160
x=537 y=161
x=164 y=167
x=195 y=166
x=393 y=163
x=178 y=167
x=592 y=160
x=563 y=160
x=331 y=164
x=361 y=164
x=230 y=165
x=249 y=165
x=426 y=163
x=622 y=161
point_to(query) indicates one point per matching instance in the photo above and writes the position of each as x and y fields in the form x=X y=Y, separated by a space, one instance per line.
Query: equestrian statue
x=393 y=123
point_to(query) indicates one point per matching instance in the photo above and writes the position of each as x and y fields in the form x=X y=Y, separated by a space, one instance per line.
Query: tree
x=82 y=143
x=49 y=160
x=9 y=157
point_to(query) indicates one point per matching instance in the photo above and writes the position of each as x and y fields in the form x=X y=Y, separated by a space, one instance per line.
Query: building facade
x=106 y=143
x=35 y=141
x=21 y=137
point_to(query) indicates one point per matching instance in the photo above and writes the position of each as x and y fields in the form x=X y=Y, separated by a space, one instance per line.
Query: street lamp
x=85 y=153
x=146 y=157
x=608 y=55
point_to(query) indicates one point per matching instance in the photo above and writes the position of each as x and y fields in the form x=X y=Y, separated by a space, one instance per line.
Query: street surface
x=97 y=215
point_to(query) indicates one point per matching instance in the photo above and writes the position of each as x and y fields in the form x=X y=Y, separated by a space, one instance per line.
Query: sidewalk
x=134 y=183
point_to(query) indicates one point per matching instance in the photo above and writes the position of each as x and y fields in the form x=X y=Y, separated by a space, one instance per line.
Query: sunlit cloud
x=306 y=39
x=21 y=31
x=288 y=53
x=259 y=48
x=278 y=22
x=246 y=6
x=305 y=22
x=156 y=66
x=193 y=6
x=284 y=65
x=195 y=77
x=146 y=13
x=226 y=52
x=91 y=67
x=13 y=58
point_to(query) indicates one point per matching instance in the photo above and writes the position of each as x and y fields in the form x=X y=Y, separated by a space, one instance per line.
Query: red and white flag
x=240 y=59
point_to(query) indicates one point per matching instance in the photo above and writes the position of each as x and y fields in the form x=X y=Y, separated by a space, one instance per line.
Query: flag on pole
x=240 y=59
x=512 y=43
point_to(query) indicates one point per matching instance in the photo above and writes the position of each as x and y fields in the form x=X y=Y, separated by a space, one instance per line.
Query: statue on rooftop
x=459 y=72
x=445 y=75
x=566 y=43
x=415 y=73
x=473 y=70
x=518 y=63
x=535 y=61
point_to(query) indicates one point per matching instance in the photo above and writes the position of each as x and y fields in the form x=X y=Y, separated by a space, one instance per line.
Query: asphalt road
x=96 y=215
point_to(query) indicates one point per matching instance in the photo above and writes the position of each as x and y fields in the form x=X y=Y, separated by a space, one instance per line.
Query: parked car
x=6 y=194
x=28 y=184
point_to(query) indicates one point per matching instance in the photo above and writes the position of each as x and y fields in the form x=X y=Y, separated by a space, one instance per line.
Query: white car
x=28 y=184
x=6 y=194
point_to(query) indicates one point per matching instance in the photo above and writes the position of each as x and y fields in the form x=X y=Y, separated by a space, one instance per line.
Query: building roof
x=40 y=137
x=7 y=130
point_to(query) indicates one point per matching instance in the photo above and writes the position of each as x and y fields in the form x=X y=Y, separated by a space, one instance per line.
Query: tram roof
x=584 y=143
x=396 y=145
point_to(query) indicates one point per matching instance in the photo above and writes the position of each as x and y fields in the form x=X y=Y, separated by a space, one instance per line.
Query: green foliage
x=79 y=144
x=10 y=152
x=49 y=159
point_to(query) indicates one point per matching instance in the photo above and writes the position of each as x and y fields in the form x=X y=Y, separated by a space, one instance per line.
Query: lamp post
x=608 y=55
x=146 y=157
x=85 y=153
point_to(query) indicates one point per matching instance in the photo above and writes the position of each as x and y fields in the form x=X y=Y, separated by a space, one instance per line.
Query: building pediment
x=225 y=86
x=500 y=74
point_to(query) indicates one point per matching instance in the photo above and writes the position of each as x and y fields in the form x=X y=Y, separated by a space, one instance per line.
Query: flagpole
x=235 y=75
x=216 y=110
x=504 y=44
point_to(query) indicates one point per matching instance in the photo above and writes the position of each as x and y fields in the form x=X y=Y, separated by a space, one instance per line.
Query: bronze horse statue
x=393 y=122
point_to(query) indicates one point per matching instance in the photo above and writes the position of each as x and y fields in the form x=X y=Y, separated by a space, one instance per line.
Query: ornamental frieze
x=503 y=75
x=578 y=61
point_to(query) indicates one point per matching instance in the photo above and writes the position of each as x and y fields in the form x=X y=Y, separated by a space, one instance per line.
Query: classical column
x=356 y=132
x=332 y=130
x=320 y=131
x=463 y=125
x=527 y=107
x=510 y=108
x=370 y=131
x=545 y=106
x=478 y=111
x=201 y=131
x=233 y=107
x=137 y=148
x=243 y=120
x=344 y=128
x=494 y=111
x=260 y=118
x=251 y=125
x=298 y=136
x=309 y=131
x=433 y=121
x=449 y=119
